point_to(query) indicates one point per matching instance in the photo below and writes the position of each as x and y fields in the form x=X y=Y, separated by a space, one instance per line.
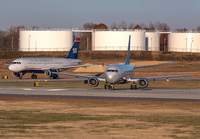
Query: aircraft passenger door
x=25 y=64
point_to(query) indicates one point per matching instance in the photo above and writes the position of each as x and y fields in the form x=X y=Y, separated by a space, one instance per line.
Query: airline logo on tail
x=75 y=50
x=73 y=53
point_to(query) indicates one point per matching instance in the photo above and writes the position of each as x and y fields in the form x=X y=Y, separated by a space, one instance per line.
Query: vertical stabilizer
x=73 y=53
x=128 y=52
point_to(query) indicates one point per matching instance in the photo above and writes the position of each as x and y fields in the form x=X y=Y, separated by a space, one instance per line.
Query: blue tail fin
x=128 y=52
x=73 y=53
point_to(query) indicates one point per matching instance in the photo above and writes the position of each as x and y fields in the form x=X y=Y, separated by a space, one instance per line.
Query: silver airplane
x=121 y=74
x=21 y=66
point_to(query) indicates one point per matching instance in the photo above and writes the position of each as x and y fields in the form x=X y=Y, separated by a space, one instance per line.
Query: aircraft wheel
x=112 y=88
x=34 y=76
x=20 y=75
x=131 y=87
x=55 y=76
x=109 y=87
x=105 y=86
x=135 y=87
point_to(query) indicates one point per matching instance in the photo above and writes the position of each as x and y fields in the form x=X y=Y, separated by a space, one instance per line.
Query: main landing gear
x=133 y=86
x=111 y=86
x=33 y=76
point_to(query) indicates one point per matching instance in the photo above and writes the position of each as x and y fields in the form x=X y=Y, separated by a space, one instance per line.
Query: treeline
x=9 y=40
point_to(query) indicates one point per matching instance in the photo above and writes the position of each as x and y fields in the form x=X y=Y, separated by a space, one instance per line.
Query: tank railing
x=44 y=29
x=181 y=49
x=124 y=48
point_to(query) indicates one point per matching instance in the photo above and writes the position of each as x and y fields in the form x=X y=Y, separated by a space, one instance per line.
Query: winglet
x=128 y=52
x=73 y=53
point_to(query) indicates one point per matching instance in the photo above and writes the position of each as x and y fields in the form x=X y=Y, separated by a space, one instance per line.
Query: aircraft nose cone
x=10 y=67
x=109 y=78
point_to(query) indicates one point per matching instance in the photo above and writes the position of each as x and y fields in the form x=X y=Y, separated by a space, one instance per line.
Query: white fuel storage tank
x=153 y=41
x=118 y=40
x=45 y=40
x=184 y=42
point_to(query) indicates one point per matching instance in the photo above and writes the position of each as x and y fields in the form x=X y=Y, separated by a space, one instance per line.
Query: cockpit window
x=112 y=70
x=16 y=63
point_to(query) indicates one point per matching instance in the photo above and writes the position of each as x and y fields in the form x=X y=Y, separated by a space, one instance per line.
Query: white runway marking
x=57 y=89
x=27 y=89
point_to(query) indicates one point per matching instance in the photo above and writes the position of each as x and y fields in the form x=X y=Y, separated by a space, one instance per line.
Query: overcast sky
x=75 y=13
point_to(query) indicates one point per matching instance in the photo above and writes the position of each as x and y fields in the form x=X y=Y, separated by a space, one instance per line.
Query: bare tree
x=142 y=25
x=198 y=28
x=131 y=26
x=113 y=26
x=88 y=26
x=181 y=30
x=100 y=26
x=9 y=40
x=161 y=26
x=122 y=25
x=151 y=26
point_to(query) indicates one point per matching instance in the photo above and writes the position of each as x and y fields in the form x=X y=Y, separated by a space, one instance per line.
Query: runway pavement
x=192 y=95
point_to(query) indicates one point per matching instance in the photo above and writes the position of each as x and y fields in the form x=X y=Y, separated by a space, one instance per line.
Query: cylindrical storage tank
x=153 y=41
x=45 y=40
x=184 y=42
x=118 y=40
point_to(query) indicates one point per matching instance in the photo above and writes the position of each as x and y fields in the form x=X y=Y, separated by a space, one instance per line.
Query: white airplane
x=120 y=74
x=21 y=66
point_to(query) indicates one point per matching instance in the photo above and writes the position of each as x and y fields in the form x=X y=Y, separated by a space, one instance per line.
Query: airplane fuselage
x=39 y=65
x=117 y=73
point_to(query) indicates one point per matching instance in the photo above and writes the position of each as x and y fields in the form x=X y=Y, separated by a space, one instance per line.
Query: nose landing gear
x=111 y=87
x=133 y=86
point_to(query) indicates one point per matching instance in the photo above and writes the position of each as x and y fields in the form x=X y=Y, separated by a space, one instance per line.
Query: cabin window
x=16 y=63
x=112 y=70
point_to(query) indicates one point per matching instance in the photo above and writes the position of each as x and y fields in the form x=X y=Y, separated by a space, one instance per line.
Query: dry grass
x=82 y=118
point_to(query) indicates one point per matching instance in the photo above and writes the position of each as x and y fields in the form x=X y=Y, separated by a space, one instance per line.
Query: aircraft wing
x=71 y=67
x=84 y=66
x=135 y=67
x=167 y=77
x=159 y=77
x=78 y=75
x=7 y=64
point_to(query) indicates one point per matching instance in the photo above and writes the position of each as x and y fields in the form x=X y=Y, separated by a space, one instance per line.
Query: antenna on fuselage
x=128 y=52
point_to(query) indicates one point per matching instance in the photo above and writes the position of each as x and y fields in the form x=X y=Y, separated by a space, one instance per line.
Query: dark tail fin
x=128 y=52
x=73 y=53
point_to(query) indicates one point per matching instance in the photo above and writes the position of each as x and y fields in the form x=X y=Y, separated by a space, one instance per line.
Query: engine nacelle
x=47 y=73
x=142 y=83
x=15 y=74
x=94 y=82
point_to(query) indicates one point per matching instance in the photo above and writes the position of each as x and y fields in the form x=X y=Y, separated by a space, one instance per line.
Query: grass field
x=82 y=118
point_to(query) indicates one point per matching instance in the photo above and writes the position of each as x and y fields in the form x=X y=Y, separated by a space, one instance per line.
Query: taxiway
x=192 y=95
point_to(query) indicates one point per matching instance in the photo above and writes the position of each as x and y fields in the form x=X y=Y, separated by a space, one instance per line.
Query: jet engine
x=94 y=82
x=142 y=83
x=15 y=74
x=47 y=73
